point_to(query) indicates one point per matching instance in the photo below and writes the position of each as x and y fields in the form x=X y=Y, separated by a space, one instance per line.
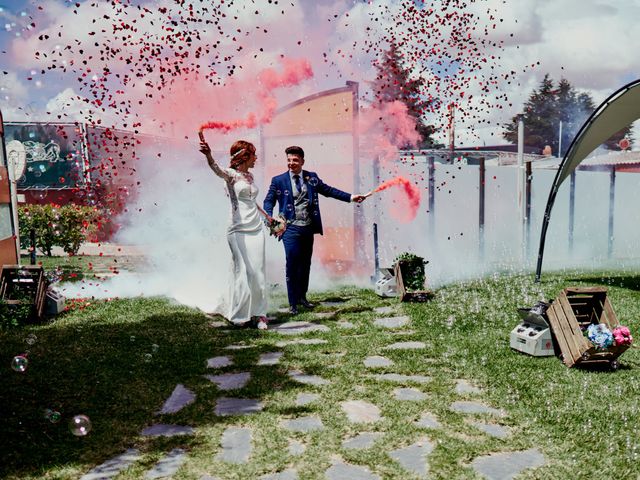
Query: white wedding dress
x=246 y=237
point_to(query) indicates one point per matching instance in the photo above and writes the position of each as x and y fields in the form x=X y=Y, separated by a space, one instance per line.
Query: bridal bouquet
x=276 y=225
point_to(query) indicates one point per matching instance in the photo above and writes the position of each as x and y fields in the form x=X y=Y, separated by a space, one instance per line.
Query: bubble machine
x=533 y=335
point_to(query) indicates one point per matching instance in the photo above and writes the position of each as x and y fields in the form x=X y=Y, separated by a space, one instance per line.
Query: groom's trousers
x=298 y=248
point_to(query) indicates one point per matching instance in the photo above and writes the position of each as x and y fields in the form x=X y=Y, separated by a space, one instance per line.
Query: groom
x=296 y=192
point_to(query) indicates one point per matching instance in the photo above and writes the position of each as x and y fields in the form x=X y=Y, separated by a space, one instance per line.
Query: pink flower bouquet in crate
x=622 y=335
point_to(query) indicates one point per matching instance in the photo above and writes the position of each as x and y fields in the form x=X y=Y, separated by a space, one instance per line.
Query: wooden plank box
x=571 y=313
x=409 y=295
x=21 y=284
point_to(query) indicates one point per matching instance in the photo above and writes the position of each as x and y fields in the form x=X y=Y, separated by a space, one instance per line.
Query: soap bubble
x=31 y=339
x=19 y=363
x=80 y=425
x=147 y=357
x=52 y=415
x=154 y=347
x=132 y=338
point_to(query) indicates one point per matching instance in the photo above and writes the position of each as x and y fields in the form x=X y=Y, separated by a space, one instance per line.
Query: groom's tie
x=296 y=179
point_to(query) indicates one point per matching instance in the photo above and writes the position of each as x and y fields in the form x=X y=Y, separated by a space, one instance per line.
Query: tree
x=394 y=82
x=544 y=110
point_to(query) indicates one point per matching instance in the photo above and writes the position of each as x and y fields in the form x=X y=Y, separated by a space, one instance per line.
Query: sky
x=589 y=42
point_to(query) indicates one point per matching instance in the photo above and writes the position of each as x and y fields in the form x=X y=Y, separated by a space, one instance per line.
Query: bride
x=247 y=292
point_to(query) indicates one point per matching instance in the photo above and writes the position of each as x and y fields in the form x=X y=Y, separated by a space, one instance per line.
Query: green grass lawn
x=101 y=362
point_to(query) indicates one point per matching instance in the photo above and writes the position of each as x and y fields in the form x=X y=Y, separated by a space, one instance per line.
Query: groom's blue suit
x=298 y=240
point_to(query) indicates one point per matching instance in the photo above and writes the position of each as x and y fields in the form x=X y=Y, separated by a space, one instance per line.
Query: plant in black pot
x=412 y=270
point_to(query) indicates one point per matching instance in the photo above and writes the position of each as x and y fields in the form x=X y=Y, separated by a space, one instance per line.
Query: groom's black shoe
x=293 y=310
x=306 y=303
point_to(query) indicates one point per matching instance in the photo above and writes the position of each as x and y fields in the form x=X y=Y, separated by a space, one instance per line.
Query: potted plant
x=410 y=277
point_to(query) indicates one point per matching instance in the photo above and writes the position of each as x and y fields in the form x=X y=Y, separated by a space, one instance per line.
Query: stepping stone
x=218 y=324
x=208 y=477
x=270 y=358
x=412 y=394
x=384 y=310
x=168 y=465
x=341 y=471
x=392 y=322
x=403 y=332
x=320 y=315
x=302 y=341
x=296 y=447
x=336 y=303
x=297 y=328
x=497 y=431
x=283 y=310
x=290 y=474
x=180 y=398
x=361 y=441
x=427 y=420
x=164 y=430
x=464 y=387
x=346 y=325
x=226 y=406
x=219 y=362
x=413 y=458
x=300 y=377
x=377 y=361
x=230 y=381
x=359 y=411
x=406 y=346
x=113 y=466
x=236 y=445
x=505 y=466
x=395 y=377
x=475 y=407
x=306 y=398
x=238 y=346
x=303 y=424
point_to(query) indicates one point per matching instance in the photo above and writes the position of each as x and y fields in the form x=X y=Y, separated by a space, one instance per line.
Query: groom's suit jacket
x=280 y=193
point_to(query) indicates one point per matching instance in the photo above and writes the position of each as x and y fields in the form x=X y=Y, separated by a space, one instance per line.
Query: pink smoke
x=294 y=72
x=387 y=128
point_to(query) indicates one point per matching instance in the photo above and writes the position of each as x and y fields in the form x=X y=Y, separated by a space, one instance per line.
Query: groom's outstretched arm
x=329 y=191
x=270 y=199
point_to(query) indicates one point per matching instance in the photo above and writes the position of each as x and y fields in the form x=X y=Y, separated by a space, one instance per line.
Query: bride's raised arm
x=206 y=150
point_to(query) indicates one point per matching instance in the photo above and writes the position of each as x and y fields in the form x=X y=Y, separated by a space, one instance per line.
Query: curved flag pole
x=595 y=131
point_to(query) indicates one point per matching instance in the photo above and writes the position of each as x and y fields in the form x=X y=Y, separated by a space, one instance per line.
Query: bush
x=65 y=226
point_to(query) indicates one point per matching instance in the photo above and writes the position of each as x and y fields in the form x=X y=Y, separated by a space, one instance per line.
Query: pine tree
x=544 y=110
x=394 y=82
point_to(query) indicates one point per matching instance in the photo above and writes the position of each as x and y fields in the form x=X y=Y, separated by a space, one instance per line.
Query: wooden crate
x=24 y=283
x=571 y=313
x=409 y=296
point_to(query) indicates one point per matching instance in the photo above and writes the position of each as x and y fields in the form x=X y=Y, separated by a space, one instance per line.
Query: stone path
x=414 y=457
x=113 y=466
x=304 y=420
x=167 y=465
x=359 y=411
x=230 y=381
x=505 y=466
x=392 y=322
x=362 y=441
x=236 y=445
x=303 y=424
x=180 y=398
x=377 y=361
